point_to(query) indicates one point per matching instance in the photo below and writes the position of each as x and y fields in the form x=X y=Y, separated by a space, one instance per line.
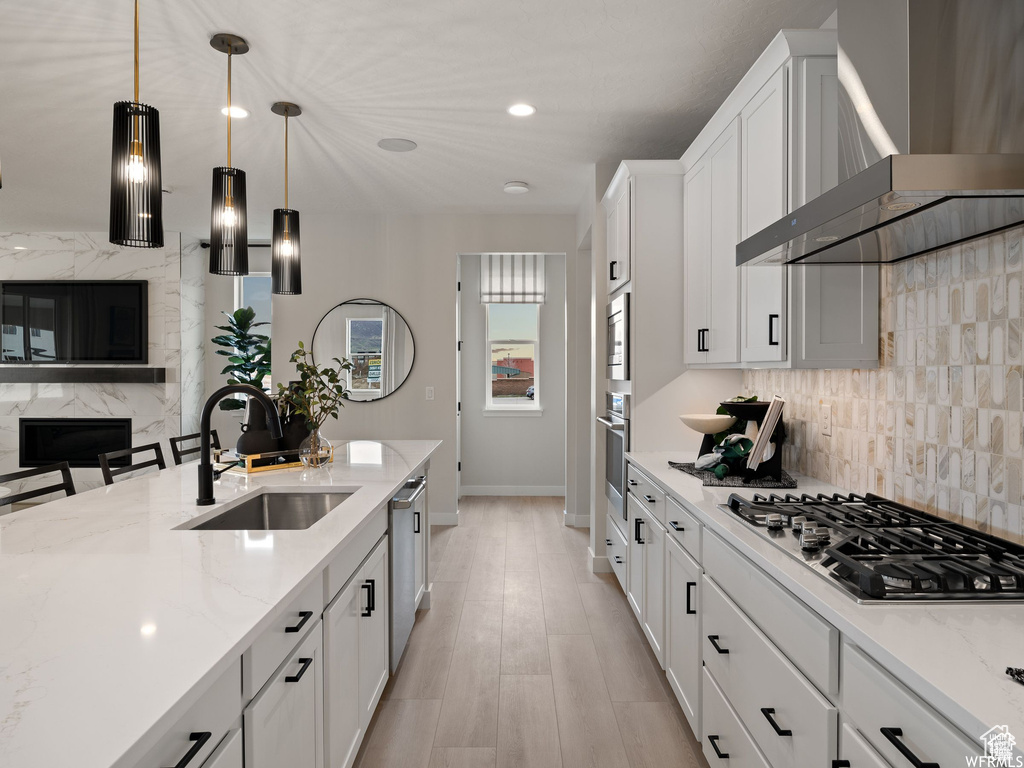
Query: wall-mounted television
x=74 y=321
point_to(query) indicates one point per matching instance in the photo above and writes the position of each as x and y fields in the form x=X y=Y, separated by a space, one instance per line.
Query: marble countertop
x=954 y=655
x=110 y=619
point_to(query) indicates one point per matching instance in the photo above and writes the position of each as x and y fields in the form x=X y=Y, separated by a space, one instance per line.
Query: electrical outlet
x=826 y=419
x=430 y=393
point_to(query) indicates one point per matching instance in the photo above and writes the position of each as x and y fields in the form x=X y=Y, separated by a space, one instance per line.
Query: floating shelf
x=44 y=374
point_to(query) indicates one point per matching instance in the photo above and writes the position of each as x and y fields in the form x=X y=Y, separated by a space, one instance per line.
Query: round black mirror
x=375 y=337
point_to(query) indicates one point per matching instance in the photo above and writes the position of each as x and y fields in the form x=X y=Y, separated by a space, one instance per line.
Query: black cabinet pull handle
x=714 y=641
x=713 y=741
x=773 y=321
x=689 y=609
x=649 y=499
x=304 y=617
x=769 y=716
x=618 y=560
x=608 y=542
x=200 y=738
x=674 y=524
x=636 y=530
x=368 y=611
x=633 y=483
x=840 y=764
x=611 y=270
x=415 y=522
x=295 y=678
x=894 y=736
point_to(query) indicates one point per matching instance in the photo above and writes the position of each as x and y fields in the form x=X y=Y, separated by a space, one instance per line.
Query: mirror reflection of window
x=365 y=342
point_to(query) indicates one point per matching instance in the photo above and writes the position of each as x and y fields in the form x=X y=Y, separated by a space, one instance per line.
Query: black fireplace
x=79 y=442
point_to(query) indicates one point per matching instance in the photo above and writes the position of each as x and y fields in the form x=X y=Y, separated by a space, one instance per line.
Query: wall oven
x=618 y=339
x=616 y=443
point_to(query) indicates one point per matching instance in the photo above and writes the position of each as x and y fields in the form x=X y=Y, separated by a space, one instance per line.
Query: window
x=254 y=290
x=513 y=347
x=365 y=345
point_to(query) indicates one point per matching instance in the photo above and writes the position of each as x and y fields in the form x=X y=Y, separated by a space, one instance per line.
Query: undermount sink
x=272 y=512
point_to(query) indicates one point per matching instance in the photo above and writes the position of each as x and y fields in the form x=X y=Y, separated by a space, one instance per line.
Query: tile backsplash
x=938 y=424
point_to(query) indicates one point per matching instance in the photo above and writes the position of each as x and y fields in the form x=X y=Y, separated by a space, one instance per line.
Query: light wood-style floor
x=525 y=658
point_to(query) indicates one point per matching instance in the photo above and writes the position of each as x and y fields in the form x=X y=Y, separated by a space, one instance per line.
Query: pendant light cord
x=229 y=108
x=136 y=51
x=286 y=160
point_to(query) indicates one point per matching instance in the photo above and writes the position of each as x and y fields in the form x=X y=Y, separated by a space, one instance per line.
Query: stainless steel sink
x=273 y=512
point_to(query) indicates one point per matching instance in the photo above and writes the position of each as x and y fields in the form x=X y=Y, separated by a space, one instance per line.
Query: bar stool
x=110 y=473
x=178 y=453
x=67 y=485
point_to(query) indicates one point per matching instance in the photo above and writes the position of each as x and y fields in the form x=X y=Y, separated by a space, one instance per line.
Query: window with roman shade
x=512 y=278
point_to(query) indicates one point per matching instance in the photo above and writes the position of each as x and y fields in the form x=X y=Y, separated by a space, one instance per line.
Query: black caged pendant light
x=136 y=204
x=229 y=234
x=285 y=262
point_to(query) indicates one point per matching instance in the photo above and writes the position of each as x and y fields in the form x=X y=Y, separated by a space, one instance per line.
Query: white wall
x=408 y=262
x=519 y=454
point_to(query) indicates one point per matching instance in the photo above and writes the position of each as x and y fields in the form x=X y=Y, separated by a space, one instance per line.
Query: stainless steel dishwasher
x=405 y=512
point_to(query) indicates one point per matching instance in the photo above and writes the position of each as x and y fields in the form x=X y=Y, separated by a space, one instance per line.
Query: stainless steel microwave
x=618 y=339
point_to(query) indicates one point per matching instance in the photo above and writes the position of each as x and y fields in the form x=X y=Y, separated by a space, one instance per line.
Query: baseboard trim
x=598 y=564
x=512 y=490
x=577 y=521
x=444 y=518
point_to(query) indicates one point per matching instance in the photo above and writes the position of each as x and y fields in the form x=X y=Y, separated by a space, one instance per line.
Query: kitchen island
x=115 y=622
x=945 y=658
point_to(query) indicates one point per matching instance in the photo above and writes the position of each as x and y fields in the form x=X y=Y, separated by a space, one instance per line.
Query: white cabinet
x=857 y=752
x=618 y=236
x=228 y=753
x=283 y=725
x=711 y=231
x=420 y=554
x=682 y=640
x=763 y=202
x=356 y=657
x=646 y=584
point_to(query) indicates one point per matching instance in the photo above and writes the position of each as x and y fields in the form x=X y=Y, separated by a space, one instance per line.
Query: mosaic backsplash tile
x=939 y=424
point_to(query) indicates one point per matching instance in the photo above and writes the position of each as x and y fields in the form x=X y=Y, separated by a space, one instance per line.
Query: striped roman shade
x=512 y=278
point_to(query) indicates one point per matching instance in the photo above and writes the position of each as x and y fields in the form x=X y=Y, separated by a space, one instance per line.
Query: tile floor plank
x=653 y=737
x=462 y=757
x=524 y=603
x=523 y=653
x=528 y=729
x=401 y=735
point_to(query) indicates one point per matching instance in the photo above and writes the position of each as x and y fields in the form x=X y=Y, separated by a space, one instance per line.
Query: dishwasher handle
x=405 y=502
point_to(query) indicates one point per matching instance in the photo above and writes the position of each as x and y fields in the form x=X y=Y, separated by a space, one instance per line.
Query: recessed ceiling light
x=516 y=187
x=147 y=630
x=236 y=111
x=19 y=247
x=397 y=145
x=826 y=239
x=522 y=110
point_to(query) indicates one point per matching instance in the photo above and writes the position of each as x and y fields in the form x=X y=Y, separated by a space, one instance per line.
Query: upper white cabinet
x=710 y=210
x=619 y=236
x=785 y=113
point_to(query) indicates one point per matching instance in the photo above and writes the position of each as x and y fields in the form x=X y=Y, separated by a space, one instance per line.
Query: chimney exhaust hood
x=931 y=136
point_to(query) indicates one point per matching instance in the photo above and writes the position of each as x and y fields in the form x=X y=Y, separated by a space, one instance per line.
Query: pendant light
x=285 y=262
x=136 y=204
x=229 y=233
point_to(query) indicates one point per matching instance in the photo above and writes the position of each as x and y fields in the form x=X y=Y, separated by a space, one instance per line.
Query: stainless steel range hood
x=931 y=135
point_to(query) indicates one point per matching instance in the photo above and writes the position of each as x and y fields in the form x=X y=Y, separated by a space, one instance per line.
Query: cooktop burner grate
x=880 y=550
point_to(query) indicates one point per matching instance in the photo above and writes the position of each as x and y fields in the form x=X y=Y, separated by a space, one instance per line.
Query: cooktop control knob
x=809 y=538
x=798 y=523
x=773 y=522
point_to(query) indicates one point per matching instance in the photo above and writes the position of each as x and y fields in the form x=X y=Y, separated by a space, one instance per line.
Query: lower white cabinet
x=420 y=556
x=654 y=586
x=726 y=742
x=857 y=752
x=635 y=560
x=283 y=725
x=355 y=634
x=228 y=753
x=682 y=637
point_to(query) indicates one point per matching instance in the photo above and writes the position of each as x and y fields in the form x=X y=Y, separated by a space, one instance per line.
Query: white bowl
x=707 y=423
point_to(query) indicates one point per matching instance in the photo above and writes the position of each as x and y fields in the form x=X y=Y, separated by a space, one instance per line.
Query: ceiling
x=613 y=79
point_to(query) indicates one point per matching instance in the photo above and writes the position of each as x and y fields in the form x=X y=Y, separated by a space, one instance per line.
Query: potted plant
x=316 y=396
x=248 y=353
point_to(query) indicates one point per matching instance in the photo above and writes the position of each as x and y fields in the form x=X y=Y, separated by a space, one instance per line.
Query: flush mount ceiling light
x=826 y=239
x=229 y=232
x=516 y=187
x=397 y=145
x=900 y=206
x=285 y=263
x=136 y=207
x=522 y=110
x=235 y=111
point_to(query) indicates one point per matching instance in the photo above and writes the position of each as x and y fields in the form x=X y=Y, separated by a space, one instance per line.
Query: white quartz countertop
x=954 y=655
x=111 y=621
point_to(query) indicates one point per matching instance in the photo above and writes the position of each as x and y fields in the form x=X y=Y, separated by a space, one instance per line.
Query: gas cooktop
x=880 y=551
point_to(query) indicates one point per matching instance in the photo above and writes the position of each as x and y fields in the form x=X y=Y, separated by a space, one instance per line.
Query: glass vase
x=316 y=451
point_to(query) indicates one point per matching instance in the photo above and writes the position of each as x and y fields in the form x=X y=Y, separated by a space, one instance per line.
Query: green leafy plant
x=319 y=392
x=248 y=353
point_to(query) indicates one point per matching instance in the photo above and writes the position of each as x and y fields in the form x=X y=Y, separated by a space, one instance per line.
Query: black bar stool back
x=67 y=485
x=109 y=473
x=180 y=454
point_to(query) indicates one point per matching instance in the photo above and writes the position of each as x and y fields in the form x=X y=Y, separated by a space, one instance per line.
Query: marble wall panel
x=939 y=424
